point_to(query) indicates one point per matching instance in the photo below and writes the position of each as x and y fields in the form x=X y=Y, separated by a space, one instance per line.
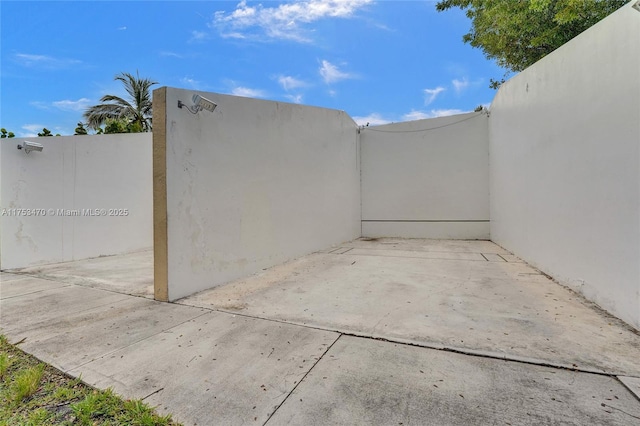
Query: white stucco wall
x=426 y=178
x=74 y=173
x=254 y=184
x=565 y=154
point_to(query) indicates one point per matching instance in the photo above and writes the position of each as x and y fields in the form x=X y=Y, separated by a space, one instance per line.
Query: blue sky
x=380 y=61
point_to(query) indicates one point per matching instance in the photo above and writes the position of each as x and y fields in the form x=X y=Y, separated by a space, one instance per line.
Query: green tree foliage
x=115 y=125
x=45 y=132
x=517 y=33
x=4 y=134
x=80 y=129
x=120 y=125
x=136 y=111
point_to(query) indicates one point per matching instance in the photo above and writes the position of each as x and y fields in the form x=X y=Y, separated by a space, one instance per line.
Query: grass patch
x=33 y=393
x=25 y=383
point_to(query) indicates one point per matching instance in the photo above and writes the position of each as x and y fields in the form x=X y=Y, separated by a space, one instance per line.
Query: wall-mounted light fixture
x=29 y=146
x=199 y=103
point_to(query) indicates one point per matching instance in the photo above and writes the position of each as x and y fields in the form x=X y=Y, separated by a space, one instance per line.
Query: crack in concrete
x=301 y=380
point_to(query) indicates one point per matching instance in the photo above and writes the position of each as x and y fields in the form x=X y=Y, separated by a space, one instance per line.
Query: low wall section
x=81 y=197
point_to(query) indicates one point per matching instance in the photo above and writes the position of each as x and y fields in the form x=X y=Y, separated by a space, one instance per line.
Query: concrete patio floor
x=129 y=273
x=371 y=332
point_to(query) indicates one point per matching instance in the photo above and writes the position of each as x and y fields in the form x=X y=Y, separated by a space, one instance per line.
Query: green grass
x=25 y=383
x=33 y=393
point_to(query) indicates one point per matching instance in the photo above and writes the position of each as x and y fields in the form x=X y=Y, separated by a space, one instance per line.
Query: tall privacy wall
x=80 y=197
x=248 y=186
x=565 y=155
x=426 y=178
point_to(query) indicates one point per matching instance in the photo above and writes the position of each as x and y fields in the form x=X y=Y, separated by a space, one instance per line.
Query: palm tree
x=137 y=112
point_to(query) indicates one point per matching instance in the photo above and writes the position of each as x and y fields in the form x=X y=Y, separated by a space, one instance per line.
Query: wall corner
x=160 y=244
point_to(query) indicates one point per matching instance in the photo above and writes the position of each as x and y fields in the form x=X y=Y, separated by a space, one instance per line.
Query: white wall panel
x=565 y=153
x=254 y=184
x=72 y=174
x=427 y=178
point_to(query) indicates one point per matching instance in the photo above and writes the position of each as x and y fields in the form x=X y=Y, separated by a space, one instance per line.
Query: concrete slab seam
x=139 y=296
x=435 y=346
x=633 y=391
x=36 y=275
x=9 y=272
x=98 y=357
x=302 y=379
x=412 y=249
x=92 y=307
x=421 y=258
x=234 y=313
x=35 y=291
x=486 y=354
x=60 y=280
x=440 y=258
x=49 y=278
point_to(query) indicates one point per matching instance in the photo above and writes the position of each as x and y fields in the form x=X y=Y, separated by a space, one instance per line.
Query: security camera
x=29 y=146
x=199 y=103
x=203 y=103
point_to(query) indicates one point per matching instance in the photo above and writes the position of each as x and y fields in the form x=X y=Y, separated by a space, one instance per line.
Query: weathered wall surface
x=565 y=154
x=251 y=185
x=426 y=178
x=68 y=187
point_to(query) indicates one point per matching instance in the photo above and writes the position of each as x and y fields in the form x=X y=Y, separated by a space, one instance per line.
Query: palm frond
x=137 y=109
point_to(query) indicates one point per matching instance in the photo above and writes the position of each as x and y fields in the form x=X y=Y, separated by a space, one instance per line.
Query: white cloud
x=32 y=130
x=432 y=94
x=373 y=119
x=331 y=74
x=460 y=85
x=421 y=115
x=296 y=99
x=171 y=54
x=288 y=83
x=68 y=105
x=39 y=104
x=122 y=28
x=237 y=35
x=64 y=105
x=286 y=21
x=248 y=92
x=194 y=84
x=198 y=36
x=446 y=112
x=45 y=61
x=415 y=115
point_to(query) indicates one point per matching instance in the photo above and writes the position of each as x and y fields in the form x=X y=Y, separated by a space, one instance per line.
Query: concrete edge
x=160 y=243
